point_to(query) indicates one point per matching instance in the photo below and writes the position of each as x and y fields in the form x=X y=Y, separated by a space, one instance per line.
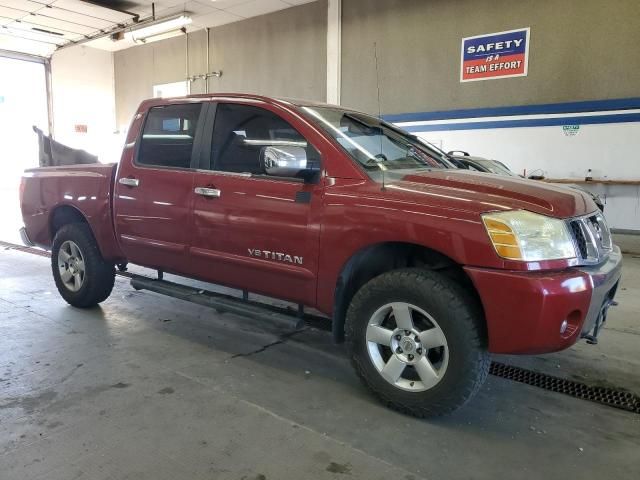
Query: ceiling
x=39 y=27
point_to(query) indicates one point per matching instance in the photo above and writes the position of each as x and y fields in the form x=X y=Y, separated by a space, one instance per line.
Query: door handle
x=129 y=182
x=207 y=192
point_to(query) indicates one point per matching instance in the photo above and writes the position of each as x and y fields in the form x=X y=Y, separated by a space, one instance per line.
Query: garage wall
x=580 y=50
x=85 y=96
x=578 y=108
x=138 y=69
x=280 y=54
x=198 y=59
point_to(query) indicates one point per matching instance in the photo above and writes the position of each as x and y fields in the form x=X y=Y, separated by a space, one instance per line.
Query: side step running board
x=218 y=301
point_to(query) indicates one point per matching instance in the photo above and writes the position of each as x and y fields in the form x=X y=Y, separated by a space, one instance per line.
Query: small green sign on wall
x=570 y=130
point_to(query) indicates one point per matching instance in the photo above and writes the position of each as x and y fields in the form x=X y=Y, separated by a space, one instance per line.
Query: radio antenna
x=375 y=57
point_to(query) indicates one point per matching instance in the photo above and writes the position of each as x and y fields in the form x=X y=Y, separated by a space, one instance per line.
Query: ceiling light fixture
x=164 y=28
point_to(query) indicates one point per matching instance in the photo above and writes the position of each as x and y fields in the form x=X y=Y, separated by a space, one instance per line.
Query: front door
x=154 y=190
x=252 y=230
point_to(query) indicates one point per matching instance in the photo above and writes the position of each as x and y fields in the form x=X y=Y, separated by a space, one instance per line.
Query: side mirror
x=286 y=161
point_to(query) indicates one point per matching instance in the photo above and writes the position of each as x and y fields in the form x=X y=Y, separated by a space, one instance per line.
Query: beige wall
x=133 y=80
x=198 y=59
x=280 y=54
x=138 y=69
x=580 y=50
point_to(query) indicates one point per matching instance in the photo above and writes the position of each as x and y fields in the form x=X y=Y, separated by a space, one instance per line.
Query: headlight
x=522 y=235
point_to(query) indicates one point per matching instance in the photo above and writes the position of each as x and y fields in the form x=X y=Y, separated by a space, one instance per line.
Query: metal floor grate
x=607 y=396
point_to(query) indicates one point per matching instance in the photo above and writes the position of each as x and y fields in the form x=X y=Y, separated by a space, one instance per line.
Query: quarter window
x=167 y=138
x=242 y=131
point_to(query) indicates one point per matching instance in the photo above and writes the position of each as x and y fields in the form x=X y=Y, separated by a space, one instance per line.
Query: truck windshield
x=377 y=145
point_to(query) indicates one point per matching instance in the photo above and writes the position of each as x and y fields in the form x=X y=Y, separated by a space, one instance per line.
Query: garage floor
x=151 y=387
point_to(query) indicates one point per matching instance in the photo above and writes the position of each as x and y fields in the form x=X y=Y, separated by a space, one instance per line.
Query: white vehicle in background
x=463 y=160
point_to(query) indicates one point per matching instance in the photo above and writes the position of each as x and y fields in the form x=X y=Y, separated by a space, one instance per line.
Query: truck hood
x=489 y=192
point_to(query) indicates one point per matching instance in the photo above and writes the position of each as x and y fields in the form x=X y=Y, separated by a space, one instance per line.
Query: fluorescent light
x=159 y=36
x=161 y=29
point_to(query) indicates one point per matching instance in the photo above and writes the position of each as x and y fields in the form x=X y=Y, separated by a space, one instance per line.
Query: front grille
x=601 y=231
x=591 y=236
x=578 y=235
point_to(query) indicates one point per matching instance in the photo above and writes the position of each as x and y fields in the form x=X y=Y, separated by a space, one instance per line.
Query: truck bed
x=48 y=192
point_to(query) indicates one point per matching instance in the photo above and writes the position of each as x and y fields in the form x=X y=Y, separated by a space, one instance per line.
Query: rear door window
x=168 y=135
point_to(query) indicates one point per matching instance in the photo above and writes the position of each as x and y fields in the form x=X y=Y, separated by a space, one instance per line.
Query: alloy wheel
x=407 y=347
x=71 y=266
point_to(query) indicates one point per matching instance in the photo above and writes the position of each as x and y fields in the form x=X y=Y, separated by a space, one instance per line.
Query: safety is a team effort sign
x=495 y=55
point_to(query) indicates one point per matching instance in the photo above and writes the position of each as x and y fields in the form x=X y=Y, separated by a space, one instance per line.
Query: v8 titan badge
x=495 y=55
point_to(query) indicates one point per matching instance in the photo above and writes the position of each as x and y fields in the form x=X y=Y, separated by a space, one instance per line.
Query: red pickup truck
x=424 y=269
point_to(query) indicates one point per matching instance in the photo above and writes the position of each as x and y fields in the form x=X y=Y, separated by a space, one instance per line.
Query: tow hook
x=592 y=339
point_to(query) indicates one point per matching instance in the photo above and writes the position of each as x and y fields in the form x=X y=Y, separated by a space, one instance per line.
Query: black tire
x=99 y=275
x=458 y=316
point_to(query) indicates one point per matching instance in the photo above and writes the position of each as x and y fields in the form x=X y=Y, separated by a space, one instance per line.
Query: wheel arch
x=99 y=225
x=374 y=260
x=63 y=215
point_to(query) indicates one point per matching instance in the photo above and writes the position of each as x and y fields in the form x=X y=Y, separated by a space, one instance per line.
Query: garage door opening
x=23 y=104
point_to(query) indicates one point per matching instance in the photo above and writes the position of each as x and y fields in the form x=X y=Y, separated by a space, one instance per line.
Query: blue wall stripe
x=538 y=122
x=549 y=108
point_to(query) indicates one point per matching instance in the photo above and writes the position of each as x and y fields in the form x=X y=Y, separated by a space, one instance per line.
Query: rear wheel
x=416 y=340
x=83 y=277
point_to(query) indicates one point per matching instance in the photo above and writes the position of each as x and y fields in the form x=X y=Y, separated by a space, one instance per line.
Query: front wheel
x=416 y=340
x=83 y=277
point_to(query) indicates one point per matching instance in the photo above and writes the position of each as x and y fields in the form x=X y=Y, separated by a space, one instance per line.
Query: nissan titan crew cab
x=424 y=269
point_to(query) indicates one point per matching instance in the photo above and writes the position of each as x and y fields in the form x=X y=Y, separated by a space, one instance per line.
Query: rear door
x=250 y=230
x=154 y=191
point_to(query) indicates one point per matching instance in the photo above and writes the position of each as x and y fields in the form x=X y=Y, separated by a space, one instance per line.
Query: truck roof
x=236 y=96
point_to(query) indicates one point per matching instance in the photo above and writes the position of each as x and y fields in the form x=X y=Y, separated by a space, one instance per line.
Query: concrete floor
x=151 y=387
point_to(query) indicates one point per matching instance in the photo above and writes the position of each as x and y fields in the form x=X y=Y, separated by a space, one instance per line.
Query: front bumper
x=525 y=311
x=604 y=280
